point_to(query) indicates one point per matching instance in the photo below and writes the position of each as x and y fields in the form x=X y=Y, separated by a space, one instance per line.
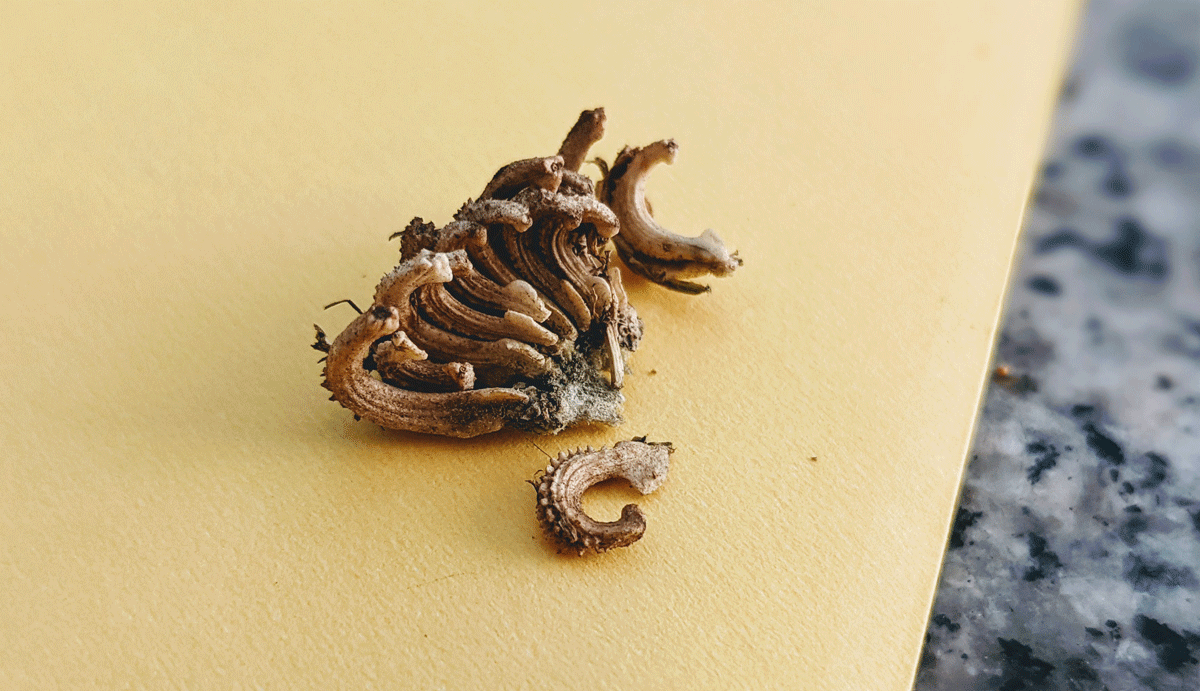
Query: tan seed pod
x=560 y=488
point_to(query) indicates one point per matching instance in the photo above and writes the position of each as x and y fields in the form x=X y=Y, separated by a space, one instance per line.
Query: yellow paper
x=185 y=186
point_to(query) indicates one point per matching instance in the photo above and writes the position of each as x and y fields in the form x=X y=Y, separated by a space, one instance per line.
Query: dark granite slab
x=1074 y=561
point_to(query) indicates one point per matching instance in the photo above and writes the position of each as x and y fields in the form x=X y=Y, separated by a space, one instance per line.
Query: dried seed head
x=512 y=314
x=561 y=487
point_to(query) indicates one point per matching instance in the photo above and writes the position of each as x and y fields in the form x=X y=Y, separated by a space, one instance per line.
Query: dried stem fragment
x=646 y=247
x=561 y=486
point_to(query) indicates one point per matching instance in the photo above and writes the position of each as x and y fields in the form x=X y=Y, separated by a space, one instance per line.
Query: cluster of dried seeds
x=513 y=314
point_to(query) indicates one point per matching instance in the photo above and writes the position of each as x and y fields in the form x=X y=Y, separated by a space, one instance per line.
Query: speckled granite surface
x=1074 y=562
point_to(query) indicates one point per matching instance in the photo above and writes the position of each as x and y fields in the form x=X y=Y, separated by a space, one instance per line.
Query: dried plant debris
x=561 y=486
x=513 y=315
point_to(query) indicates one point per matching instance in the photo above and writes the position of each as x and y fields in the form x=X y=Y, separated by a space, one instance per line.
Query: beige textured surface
x=184 y=188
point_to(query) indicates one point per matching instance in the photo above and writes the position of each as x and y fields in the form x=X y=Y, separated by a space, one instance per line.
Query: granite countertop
x=1074 y=561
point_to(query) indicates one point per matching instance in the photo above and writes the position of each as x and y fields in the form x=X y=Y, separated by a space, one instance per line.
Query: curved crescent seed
x=560 y=488
x=646 y=247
